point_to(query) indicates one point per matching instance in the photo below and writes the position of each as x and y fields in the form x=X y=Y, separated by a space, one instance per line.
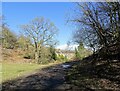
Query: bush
x=61 y=57
x=28 y=55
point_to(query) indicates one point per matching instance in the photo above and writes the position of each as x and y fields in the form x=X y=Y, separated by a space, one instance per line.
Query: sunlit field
x=15 y=70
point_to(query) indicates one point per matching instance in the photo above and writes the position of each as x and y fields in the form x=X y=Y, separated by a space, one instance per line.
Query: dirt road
x=50 y=78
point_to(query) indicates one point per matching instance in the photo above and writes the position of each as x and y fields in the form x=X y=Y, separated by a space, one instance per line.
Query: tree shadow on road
x=49 y=78
x=104 y=74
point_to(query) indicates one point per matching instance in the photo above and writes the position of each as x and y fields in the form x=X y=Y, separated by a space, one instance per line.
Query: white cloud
x=65 y=47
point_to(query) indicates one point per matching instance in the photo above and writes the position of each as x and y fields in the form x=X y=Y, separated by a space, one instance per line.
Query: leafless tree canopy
x=42 y=32
x=98 y=24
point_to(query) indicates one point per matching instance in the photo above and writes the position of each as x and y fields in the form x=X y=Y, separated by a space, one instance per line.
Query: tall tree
x=42 y=33
x=9 y=39
x=98 y=24
x=53 y=54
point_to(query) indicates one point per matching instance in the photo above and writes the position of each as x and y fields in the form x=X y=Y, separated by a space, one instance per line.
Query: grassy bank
x=14 y=70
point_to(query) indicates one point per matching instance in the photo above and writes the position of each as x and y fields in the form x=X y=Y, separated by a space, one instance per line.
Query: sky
x=18 y=13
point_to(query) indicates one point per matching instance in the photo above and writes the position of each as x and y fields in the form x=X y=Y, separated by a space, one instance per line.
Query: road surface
x=50 y=78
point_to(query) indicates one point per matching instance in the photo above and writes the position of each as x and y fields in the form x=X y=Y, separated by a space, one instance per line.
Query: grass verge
x=14 y=70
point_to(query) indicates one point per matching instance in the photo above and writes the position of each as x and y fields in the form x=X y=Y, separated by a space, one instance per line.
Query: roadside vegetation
x=81 y=52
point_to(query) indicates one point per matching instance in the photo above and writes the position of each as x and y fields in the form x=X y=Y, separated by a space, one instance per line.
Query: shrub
x=61 y=57
x=28 y=55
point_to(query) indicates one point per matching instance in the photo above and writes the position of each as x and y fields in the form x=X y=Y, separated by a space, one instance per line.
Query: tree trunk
x=36 y=53
x=36 y=56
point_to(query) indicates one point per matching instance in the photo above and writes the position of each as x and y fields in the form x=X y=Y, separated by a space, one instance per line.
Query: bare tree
x=42 y=33
x=98 y=24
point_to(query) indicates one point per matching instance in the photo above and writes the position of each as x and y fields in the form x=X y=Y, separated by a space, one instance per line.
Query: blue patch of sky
x=18 y=13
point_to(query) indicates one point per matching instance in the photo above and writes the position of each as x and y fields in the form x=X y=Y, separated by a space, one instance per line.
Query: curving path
x=50 y=78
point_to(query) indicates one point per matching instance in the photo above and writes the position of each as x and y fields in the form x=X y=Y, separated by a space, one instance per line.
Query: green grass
x=14 y=70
